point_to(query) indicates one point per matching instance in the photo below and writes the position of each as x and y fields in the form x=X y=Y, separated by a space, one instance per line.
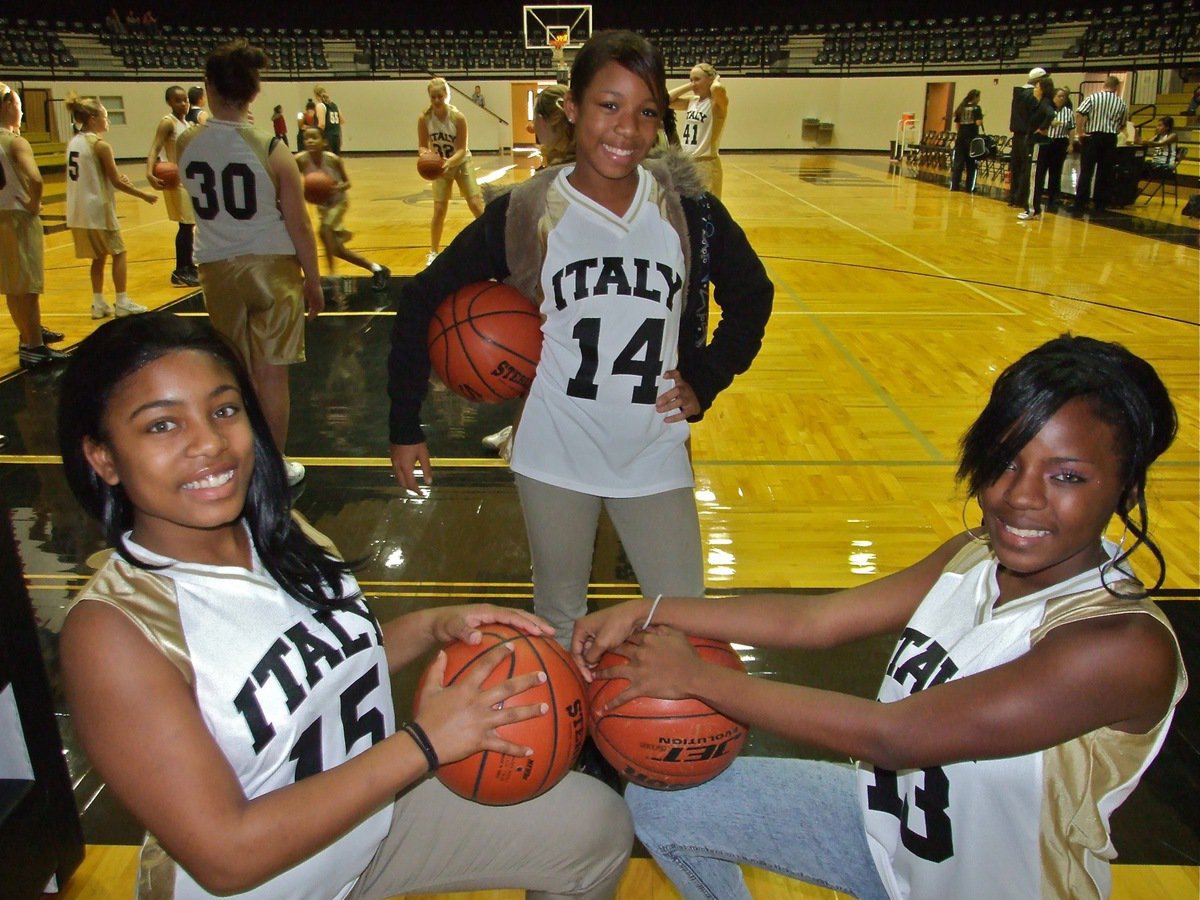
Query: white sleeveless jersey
x=442 y=133
x=697 y=137
x=169 y=151
x=223 y=166
x=13 y=193
x=1021 y=827
x=285 y=692
x=612 y=295
x=90 y=199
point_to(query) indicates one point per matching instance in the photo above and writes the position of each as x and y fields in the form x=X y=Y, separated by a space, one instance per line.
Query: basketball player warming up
x=443 y=129
x=1031 y=686
x=707 y=104
x=602 y=246
x=249 y=726
x=315 y=158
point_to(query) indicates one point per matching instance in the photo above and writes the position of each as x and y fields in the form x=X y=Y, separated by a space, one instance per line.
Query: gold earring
x=978 y=538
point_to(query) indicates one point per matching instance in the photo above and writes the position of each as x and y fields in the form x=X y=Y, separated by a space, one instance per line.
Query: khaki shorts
x=179 y=206
x=257 y=303
x=22 y=268
x=96 y=243
x=333 y=217
x=463 y=176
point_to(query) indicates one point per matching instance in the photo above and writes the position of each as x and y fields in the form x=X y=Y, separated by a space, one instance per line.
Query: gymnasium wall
x=765 y=113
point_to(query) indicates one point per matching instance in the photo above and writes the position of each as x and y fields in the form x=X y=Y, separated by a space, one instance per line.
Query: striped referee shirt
x=1064 y=122
x=1106 y=112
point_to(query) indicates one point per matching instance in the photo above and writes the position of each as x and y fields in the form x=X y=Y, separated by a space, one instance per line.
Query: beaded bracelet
x=421 y=739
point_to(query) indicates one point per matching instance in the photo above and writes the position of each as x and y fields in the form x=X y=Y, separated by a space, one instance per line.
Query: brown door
x=36 y=114
x=523 y=94
x=939 y=106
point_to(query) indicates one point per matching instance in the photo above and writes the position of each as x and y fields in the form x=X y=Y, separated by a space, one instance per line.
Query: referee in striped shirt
x=1098 y=120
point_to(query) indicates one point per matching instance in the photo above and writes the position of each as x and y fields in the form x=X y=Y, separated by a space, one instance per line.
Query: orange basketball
x=556 y=737
x=666 y=744
x=485 y=341
x=429 y=164
x=167 y=173
x=318 y=187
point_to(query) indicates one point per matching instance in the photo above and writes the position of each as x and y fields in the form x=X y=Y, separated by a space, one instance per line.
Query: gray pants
x=660 y=534
x=573 y=841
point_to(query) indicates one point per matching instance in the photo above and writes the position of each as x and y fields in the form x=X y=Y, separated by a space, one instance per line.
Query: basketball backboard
x=542 y=24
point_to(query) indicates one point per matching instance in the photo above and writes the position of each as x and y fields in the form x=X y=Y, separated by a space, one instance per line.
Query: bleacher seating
x=1149 y=34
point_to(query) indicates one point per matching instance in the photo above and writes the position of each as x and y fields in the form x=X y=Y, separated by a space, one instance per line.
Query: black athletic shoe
x=51 y=337
x=184 y=278
x=379 y=279
x=34 y=357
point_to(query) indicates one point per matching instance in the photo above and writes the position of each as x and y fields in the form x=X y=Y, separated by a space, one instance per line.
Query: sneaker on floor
x=499 y=439
x=127 y=307
x=184 y=278
x=295 y=472
x=379 y=278
x=34 y=357
x=430 y=257
x=1028 y=214
x=100 y=309
x=51 y=337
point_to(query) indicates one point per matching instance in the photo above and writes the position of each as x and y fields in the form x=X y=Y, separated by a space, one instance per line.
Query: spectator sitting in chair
x=1162 y=149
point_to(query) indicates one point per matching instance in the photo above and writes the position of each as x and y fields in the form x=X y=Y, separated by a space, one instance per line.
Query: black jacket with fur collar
x=503 y=244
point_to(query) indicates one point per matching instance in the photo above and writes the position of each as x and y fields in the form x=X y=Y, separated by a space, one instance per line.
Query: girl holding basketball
x=1031 y=686
x=92 y=177
x=249 y=725
x=617 y=251
x=705 y=104
x=443 y=129
x=315 y=158
x=179 y=206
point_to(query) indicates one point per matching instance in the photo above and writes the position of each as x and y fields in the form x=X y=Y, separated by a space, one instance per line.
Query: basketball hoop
x=556 y=45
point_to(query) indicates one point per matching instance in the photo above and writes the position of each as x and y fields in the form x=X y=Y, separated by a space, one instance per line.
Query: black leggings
x=1050 y=161
x=183 y=247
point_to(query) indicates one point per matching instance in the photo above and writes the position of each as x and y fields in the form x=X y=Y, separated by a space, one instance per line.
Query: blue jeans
x=798 y=817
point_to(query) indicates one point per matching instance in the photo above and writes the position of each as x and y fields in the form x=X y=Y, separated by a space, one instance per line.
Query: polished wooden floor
x=832 y=460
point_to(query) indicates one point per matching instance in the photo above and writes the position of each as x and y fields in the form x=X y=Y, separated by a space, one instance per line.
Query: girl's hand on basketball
x=462 y=718
x=154 y=182
x=662 y=663
x=462 y=623
x=406 y=458
x=600 y=632
x=680 y=401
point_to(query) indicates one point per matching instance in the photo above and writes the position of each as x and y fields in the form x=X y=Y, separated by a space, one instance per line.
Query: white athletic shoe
x=1028 y=215
x=295 y=472
x=127 y=307
x=430 y=257
x=495 y=441
x=100 y=309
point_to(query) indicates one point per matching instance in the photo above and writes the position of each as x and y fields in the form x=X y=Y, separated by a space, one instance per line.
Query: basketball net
x=556 y=45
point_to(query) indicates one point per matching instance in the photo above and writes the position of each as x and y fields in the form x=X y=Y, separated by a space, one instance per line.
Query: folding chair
x=1158 y=175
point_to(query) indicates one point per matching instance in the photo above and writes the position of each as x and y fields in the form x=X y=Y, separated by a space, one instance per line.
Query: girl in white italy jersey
x=1031 y=686
x=249 y=726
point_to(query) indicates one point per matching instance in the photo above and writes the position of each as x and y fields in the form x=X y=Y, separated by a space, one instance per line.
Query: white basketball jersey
x=612 y=289
x=13 y=194
x=223 y=166
x=697 y=135
x=442 y=133
x=263 y=668
x=1020 y=827
x=169 y=151
x=90 y=200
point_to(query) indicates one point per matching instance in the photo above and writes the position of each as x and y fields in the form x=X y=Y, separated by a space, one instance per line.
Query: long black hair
x=118 y=349
x=1120 y=388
